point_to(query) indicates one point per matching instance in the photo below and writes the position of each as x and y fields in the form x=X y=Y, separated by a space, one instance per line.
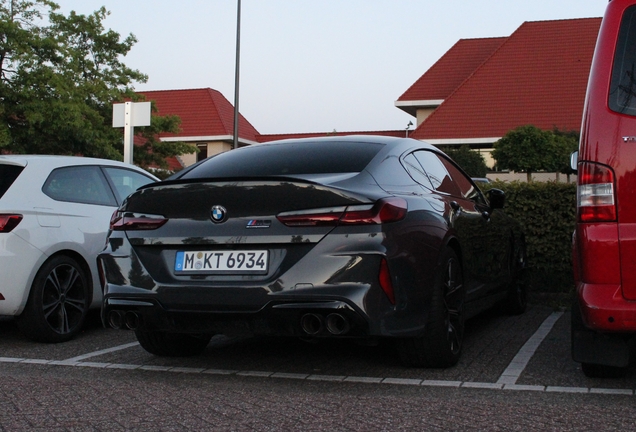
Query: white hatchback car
x=54 y=219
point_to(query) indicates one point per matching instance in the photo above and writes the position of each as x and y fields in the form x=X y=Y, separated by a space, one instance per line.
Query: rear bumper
x=597 y=274
x=604 y=309
x=19 y=261
x=309 y=318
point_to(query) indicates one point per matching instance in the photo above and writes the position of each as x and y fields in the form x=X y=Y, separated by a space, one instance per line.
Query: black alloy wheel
x=58 y=302
x=441 y=344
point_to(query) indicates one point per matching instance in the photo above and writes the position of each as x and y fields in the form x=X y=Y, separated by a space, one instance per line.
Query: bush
x=547 y=213
x=471 y=161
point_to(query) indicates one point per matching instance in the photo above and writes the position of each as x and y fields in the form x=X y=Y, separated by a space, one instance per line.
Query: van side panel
x=601 y=242
x=628 y=259
x=609 y=138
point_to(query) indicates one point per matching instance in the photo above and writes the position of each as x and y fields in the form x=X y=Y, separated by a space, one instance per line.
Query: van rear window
x=622 y=97
x=8 y=174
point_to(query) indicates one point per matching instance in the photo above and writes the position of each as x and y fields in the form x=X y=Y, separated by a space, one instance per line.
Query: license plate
x=253 y=261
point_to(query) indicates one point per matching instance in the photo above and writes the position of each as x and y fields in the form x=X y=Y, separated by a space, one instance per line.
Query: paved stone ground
x=47 y=398
x=305 y=388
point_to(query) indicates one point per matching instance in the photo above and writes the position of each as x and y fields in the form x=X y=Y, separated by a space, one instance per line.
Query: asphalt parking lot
x=509 y=363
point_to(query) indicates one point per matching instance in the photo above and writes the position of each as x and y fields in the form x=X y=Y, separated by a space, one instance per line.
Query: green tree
x=569 y=143
x=529 y=149
x=59 y=76
x=471 y=161
x=149 y=150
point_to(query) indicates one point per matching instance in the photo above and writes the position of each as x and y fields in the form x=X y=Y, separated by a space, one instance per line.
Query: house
x=473 y=95
x=482 y=88
x=207 y=121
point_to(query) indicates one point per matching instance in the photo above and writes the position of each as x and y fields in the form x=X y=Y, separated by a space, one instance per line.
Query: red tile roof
x=537 y=76
x=452 y=69
x=204 y=112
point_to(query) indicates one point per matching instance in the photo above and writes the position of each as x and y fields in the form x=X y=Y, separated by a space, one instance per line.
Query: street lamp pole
x=236 y=75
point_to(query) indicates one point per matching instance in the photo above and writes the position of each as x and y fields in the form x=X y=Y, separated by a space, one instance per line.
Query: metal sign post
x=128 y=115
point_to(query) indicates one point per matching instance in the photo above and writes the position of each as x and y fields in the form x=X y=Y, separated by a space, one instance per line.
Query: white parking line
x=101 y=352
x=521 y=360
x=331 y=378
x=507 y=381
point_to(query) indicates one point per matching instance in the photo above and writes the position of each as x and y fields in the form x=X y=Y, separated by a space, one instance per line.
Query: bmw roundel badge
x=218 y=214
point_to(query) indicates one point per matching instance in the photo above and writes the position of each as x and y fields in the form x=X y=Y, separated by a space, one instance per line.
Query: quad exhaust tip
x=120 y=320
x=337 y=324
x=314 y=324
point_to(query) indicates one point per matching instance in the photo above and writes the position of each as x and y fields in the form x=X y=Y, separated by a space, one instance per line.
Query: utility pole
x=236 y=74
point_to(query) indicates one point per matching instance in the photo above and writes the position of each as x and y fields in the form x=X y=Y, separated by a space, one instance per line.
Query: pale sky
x=311 y=66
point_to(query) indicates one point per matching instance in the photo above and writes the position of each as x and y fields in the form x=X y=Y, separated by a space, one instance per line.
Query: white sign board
x=140 y=114
x=128 y=115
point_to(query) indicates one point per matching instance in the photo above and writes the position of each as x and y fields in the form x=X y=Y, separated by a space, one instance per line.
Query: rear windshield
x=8 y=174
x=622 y=96
x=332 y=157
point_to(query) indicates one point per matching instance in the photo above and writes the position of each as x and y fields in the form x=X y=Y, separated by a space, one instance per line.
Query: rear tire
x=602 y=371
x=172 y=344
x=58 y=302
x=516 y=300
x=590 y=370
x=441 y=344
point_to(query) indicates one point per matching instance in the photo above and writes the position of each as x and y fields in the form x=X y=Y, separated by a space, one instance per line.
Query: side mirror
x=497 y=198
x=574 y=161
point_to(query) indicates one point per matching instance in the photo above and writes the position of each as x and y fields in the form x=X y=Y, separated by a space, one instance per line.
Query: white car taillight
x=9 y=221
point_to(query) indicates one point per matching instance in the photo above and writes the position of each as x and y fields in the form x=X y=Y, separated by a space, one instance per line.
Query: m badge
x=258 y=223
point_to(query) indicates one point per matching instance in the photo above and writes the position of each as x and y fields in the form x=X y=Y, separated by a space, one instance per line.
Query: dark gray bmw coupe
x=341 y=237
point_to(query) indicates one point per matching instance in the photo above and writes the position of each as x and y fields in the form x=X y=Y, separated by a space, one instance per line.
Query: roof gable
x=452 y=69
x=204 y=112
x=537 y=76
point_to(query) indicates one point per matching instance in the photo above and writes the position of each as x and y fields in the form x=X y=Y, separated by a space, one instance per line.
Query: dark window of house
x=203 y=152
x=622 y=97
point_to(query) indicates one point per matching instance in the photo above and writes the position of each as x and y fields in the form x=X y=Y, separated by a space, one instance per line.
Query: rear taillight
x=596 y=193
x=123 y=221
x=383 y=211
x=9 y=221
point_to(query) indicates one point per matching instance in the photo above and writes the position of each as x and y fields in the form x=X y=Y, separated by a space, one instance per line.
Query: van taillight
x=596 y=193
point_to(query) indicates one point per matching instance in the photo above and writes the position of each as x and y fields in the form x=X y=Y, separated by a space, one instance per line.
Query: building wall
x=207 y=150
x=423 y=113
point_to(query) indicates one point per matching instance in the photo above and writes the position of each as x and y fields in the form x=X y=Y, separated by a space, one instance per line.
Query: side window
x=466 y=186
x=126 y=181
x=415 y=170
x=622 y=97
x=8 y=174
x=437 y=173
x=79 y=184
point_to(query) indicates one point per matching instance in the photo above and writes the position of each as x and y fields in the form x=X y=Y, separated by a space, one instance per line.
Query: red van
x=604 y=243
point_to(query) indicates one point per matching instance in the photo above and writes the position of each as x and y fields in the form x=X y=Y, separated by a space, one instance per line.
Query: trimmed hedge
x=547 y=213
